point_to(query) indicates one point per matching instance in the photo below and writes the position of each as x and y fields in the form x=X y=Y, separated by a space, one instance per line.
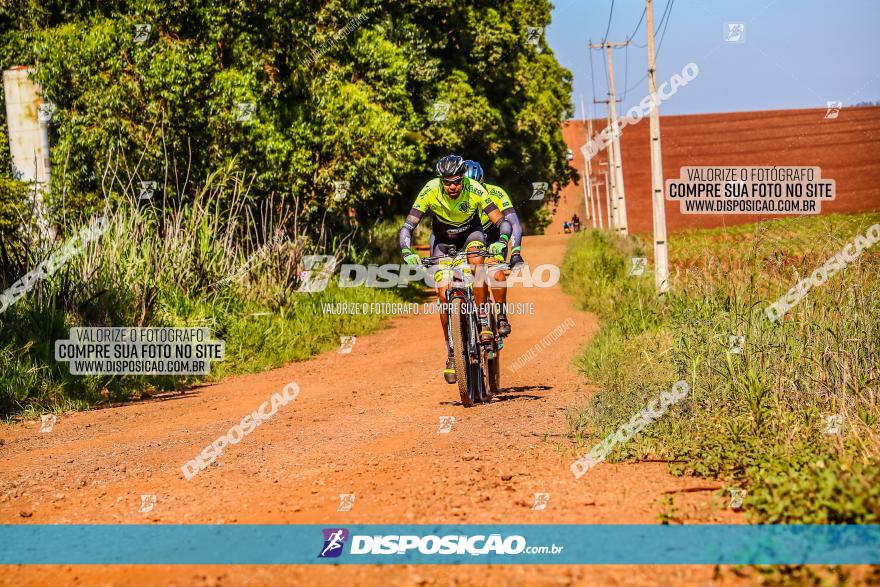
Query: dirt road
x=365 y=423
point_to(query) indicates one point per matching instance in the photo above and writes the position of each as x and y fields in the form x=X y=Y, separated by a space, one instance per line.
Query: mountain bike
x=477 y=364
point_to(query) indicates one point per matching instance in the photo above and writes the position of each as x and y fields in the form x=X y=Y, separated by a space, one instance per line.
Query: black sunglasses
x=452 y=181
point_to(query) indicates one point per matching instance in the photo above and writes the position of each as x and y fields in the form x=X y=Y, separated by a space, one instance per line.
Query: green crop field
x=763 y=418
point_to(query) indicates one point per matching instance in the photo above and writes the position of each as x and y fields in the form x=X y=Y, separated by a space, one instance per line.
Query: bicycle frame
x=481 y=361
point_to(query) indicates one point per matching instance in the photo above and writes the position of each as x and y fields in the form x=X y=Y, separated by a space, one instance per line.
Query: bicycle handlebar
x=459 y=255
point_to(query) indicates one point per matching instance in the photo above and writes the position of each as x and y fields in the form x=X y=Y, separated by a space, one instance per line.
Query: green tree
x=341 y=91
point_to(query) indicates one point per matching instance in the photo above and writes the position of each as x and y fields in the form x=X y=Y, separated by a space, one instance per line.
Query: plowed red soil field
x=847 y=148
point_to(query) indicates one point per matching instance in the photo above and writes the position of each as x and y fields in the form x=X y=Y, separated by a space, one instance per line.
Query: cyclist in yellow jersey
x=498 y=243
x=455 y=202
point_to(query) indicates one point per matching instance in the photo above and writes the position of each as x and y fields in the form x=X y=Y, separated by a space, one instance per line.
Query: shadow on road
x=526 y=388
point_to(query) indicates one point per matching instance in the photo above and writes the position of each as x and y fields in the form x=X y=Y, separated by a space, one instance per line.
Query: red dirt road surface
x=365 y=423
x=847 y=148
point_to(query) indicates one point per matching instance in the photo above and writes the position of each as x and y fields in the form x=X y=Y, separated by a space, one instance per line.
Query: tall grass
x=756 y=418
x=218 y=261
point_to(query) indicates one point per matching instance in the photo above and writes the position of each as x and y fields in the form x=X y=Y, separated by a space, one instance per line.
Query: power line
x=638 y=26
x=626 y=54
x=665 y=24
x=608 y=28
x=664 y=21
x=659 y=24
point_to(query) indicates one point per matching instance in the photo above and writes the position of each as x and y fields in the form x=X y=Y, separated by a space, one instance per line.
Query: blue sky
x=795 y=54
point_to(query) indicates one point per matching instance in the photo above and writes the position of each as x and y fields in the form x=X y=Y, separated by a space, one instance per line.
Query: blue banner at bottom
x=567 y=544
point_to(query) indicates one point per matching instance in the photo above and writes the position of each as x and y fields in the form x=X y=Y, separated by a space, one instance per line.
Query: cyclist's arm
x=516 y=229
x=499 y=220
x=419 y=207
x=404 y=237
x=509 y=213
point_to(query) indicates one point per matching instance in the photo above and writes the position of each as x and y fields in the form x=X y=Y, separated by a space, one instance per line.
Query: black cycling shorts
x=468 y=236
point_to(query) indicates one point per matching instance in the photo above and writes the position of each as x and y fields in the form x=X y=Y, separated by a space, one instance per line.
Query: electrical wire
x=664 y=22
x=608 y=28
x=638 y=26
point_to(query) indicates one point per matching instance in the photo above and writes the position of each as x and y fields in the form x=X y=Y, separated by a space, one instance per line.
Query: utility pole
x=595 y=199
x=611 y=187
x=609 y=195
x=620 y=196
x=589 y=161
x=612 y=177
x=593 y=204
x=588 y=170
x=661 y=245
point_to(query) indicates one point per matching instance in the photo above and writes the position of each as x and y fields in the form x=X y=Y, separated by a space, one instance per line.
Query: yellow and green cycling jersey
x=474 y=198
x=499 y=197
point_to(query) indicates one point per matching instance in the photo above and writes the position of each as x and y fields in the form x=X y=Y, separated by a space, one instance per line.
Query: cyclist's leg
x=476 y=241
x=499 y=284
x=441 y=278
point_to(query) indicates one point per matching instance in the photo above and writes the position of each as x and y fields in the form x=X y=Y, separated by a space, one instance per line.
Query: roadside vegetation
x=762 y=418
x=188 y=265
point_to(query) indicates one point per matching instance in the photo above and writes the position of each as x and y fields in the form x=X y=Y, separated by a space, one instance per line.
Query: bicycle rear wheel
x=491 y=364
x=460 y=336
